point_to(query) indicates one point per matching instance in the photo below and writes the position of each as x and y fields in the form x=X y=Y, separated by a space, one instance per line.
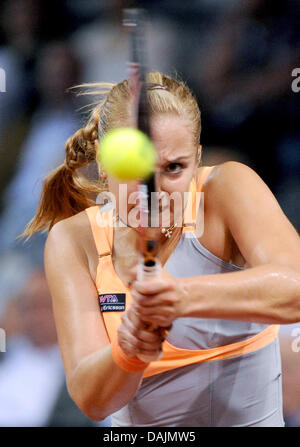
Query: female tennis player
x=224 y=291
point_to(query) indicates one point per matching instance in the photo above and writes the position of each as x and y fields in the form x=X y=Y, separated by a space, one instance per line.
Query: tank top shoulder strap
x=194 y=198
x=102 y=229
x=206 y=170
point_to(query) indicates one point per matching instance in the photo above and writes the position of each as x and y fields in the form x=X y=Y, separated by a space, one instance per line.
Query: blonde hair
x=65 y=192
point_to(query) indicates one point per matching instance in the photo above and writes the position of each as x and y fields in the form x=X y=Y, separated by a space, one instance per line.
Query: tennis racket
x=149 y=265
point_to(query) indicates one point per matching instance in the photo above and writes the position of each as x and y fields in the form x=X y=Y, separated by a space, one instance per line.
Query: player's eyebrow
x=176 y=160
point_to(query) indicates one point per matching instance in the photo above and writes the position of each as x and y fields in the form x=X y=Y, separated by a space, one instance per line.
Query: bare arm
x=96 y=384
x=267 y=292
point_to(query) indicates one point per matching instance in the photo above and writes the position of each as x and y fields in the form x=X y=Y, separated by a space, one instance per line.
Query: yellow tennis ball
x=127 y=154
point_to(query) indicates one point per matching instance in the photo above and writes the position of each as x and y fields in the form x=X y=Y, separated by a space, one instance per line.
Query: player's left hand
x=159 y=301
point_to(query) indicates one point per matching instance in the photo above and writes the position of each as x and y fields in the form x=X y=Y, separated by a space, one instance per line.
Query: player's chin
x=165 y=210
x=166 y=219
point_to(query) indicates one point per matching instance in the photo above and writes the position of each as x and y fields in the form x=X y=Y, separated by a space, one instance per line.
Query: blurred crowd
x=237 y=56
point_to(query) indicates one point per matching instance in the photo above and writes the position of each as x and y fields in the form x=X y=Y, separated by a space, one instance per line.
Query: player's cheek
x=179 y=181
x=132 y=193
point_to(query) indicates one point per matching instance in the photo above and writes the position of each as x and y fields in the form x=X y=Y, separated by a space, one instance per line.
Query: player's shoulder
x=229 y=183
x=69 y=226
x=230 y=174
x=68 y=235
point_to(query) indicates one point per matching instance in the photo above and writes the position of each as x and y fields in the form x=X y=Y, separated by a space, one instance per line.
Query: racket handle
x=147 y=272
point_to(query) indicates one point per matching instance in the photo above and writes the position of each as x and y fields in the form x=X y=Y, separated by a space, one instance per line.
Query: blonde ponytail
x=65 y=192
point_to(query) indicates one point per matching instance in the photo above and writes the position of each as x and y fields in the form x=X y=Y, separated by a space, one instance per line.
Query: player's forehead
x=173 y=137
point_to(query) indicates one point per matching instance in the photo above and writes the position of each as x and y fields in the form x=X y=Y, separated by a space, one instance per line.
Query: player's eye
x=174 y=168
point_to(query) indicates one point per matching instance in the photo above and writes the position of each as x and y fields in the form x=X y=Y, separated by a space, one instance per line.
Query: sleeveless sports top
x=213 y=372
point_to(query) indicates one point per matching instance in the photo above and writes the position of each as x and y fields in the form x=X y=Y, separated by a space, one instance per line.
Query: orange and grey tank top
x=213 y=372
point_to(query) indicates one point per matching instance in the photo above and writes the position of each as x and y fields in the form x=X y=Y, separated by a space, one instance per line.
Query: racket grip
x=145 y=272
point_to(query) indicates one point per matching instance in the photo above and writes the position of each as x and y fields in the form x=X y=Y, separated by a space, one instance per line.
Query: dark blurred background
x=236 y=55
